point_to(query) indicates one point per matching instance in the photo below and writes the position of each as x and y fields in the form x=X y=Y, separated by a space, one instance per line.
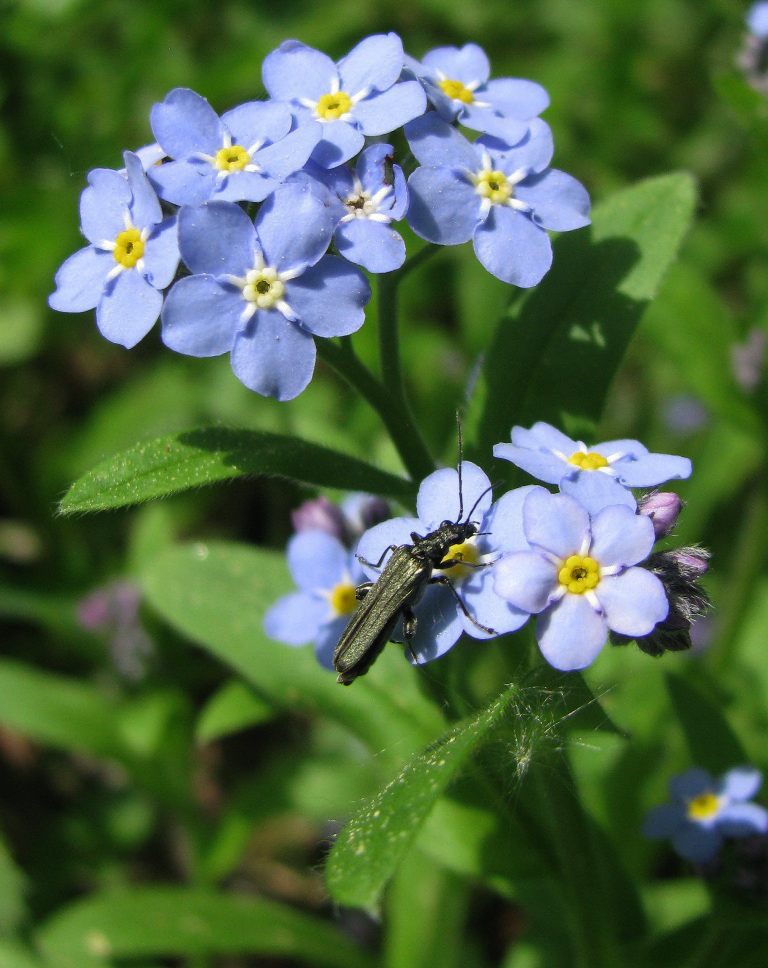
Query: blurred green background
x=637 y=89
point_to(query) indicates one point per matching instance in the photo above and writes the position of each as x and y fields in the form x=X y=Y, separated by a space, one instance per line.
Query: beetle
x=398 y=588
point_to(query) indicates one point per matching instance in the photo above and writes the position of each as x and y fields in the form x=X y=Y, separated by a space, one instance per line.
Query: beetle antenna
x=461 y=456
x=474 y=506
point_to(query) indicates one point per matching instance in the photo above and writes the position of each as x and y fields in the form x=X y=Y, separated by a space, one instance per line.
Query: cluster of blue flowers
x=253 y=200
x=580 y=559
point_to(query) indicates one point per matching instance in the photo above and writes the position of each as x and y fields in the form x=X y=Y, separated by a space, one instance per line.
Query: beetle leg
x=409 y=629
x=362 y=590
x=364 y=561
x=444 y=580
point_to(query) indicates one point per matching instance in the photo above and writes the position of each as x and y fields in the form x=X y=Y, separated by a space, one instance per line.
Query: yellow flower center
x=703 y=806
x=457 y=91
x=579 y=574
x=234 y=158
x=331 y=107
x=129 y=248
x=465 y=551
x=495 y=186
x=588 y=462
x=343 y=600
x=263 y=287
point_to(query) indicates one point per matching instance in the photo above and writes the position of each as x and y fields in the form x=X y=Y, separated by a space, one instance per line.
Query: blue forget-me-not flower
x=705 y=810
x=262 y=290
x=132 y=256
x=500 y=197
x=579 y=576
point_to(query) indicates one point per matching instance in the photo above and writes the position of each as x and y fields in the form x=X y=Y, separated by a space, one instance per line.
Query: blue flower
x=262 y=290
x=757 y=19
x=361 y=95
x=363 y=202
x=704 y=811
x=358 y=512
x=596 y=476
x=456 y=82
x=500 y=197
x=132 y=257
x=578 y=576
x=326 y=575
x=440 y=617
x=243 y=156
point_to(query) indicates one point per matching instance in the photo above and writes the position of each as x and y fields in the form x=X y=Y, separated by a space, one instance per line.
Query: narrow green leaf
x=179 y=922
x=15 y=955
x=233 y=708
x=556 y=351
x=711 y=741
x=216 y=594
x=374 y=842
x=180 y=461
x=13 y=884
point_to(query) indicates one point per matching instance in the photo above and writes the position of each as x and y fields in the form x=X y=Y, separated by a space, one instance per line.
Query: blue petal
x=103 y=205
x=257 y=121
x=652 y=469
x=742 y=820
x=290 y=153
x=294 y=228
x=339 y=143
x=543 y=466
x=216 y=238
x=596 y=491
x=512 y=247
x=327 y=639
x=487 y=607
x=633 y=601
x=182 y=182
x=525 y=579
x=696 y=843
x=439 y=498
x=161 y=253
x=571 y=633
x=444 y=207
x=329 y=298
x=741 y=783
x=201 y=317
x=555 y=522
x=559 y=201
x=382 y=113
x=128 y=309
x=516 y=97
x=376 y=540
x=435 y=143
x=373 y=245
x=691 y=783
x=295 y=71
x=273 y=357
x=467 y=64
x=374 y=64
x=621 y=537
x=145 y=207
x=296 y=619
x=316 y=560
x=244 y=186
x=544 y=435
x=534 y=151
x=510 y=130
x=372 y=166
x=438 y=625
x=505 y=521
x=662 y=822
x=81 y=279
x=185 y=123
x=624 y=448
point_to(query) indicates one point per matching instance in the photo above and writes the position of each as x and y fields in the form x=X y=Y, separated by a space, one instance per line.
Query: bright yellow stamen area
x=465 y=551
x=234 y=158
x=263 y=287
x=343 y=600
x=129 y=248
x=494 y=186
x=703 y=806
x=579 y=574
x=588 y=462
x=457 y=91
x=331 y=107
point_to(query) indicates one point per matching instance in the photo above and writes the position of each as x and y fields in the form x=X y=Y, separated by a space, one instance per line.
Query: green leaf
x=556 y=351
x=14 y=955
x=179 y=922
x=180 y=461
x=216 y=594
x=12 y=890
x=711 y=741
x=372 y=845
x=233 y=708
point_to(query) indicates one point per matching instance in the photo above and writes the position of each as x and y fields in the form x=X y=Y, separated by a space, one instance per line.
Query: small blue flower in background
x=357 y=513
x=262 y=290
x=440 y=617
x=360 y=96
x=705 y=810
x=501 y=197
x=578 y=576
x=132 y=257
x=243 y=156
x=757 y=19
x=551 y=456
x=456 y=82
x=363 y=203
x=326 y=575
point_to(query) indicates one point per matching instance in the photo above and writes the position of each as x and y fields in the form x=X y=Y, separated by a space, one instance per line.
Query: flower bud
x=663 y=508
x=320 y=514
